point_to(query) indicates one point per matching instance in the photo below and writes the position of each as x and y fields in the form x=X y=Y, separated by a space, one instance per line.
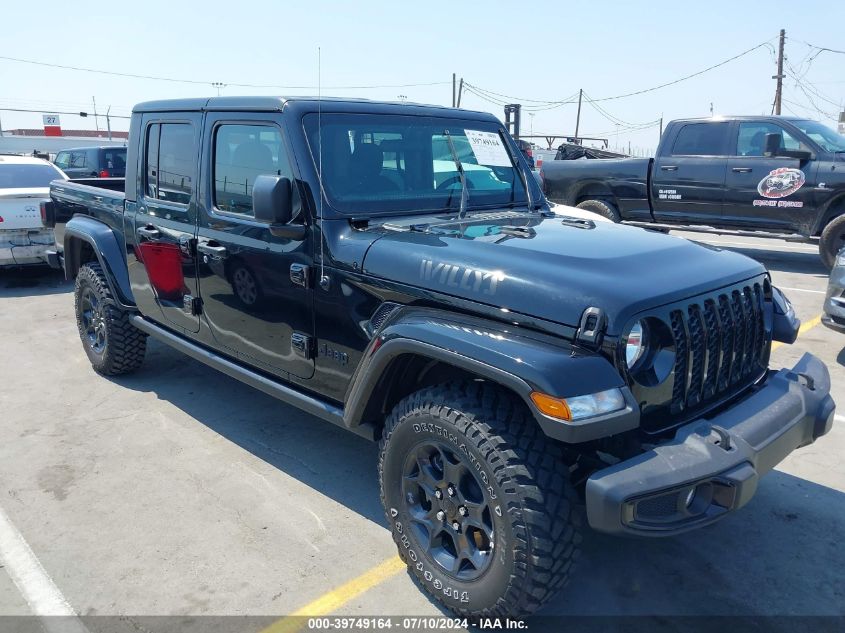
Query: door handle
x=669 y=167
x=150 y=232
x=212 y=249
x=742 y=170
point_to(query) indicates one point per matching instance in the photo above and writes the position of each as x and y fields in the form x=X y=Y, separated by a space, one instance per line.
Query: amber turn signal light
x=551 y=406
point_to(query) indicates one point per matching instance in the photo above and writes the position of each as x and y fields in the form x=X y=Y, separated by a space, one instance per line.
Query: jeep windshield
x=382 y=164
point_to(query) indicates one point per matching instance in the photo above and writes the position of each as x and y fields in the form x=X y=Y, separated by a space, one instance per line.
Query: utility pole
x=460 y=92
x=96 y=120
x=453 y=89
x=108 y=121
x=779 y=76
x=578 y=116
x=661 y=127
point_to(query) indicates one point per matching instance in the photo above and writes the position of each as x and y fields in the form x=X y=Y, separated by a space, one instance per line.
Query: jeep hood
x=554 y=268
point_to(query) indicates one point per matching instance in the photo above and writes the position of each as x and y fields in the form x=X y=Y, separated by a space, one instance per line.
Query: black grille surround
x=720 y=344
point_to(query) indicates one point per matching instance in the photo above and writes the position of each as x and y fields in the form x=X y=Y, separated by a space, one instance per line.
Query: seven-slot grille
x=720 y=344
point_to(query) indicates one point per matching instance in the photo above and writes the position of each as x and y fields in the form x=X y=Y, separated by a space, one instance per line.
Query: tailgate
x=21 y=210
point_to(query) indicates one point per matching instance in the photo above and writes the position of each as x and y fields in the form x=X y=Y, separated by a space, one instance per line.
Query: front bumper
x=712 y=466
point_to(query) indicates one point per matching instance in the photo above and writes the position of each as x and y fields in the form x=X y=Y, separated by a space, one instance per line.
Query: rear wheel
x=478 y=500
x=113 y=345
x=602 y=207
x=832 y=240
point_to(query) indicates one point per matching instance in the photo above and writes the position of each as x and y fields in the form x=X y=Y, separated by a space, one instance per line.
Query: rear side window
x=114 y=158
x=77 y=160
x=63 y=160
x=702 y=139
x=241 y=154
x=170 y=162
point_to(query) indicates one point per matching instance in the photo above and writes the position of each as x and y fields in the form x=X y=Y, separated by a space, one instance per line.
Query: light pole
x=531 y=124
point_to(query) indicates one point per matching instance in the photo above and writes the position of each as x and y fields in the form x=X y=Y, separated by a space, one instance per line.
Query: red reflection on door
x=164 y=267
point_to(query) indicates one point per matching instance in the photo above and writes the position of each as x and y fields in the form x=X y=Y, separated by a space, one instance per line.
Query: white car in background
x=24 y=184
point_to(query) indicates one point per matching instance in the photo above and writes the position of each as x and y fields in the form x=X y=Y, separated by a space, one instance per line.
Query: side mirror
x=272 y=202
x=773 y=148
x=772 y=145
x=271 y=199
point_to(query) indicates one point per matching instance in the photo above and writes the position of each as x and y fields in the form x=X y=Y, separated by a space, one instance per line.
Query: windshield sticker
x=781 y=182
x=488 y=148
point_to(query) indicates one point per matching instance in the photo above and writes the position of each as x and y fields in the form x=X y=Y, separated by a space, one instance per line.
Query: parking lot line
x=815 y=292
x=35 y=585
x=331 y=601
x=805 y=327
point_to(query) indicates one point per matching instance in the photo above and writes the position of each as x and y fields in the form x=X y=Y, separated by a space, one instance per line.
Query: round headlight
x=635 y=344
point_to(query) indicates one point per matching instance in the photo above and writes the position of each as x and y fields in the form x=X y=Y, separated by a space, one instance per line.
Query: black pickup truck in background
x=395 y=269
x=766 y=176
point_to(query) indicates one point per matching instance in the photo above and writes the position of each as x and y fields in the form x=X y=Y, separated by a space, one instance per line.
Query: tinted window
x=25 y=176
x=701 y=139
x=114 y=158
x=241 y=154
x=751 y=140
x=63 y=160
x=171 y=156
x=77 y=160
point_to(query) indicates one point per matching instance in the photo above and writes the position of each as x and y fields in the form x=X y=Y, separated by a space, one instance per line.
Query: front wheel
x=832 y=241
x=113 y=345
x=478 y=500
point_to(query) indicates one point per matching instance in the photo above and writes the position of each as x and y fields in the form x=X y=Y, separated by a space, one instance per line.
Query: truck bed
x=100 y=198
x=570 y=181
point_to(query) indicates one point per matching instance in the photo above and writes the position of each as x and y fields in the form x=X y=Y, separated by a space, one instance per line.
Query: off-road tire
x=536 y=527
x=832 y=240
x=124 y=345
x=602 y=207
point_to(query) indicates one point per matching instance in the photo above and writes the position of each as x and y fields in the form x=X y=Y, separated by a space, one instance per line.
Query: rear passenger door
x=163 y=225
x=254 y=285
x=688 y=178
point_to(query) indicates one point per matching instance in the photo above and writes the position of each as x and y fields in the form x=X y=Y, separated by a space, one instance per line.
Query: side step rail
x=320 y=408
x=788 y=237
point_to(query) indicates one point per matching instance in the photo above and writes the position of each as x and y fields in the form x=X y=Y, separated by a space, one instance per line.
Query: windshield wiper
x=464 y=191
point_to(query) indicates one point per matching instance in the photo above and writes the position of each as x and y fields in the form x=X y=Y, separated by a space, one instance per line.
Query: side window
x=701 y=139
x=62 y=160
x=243 y=152
x=77 y=159
x=171 y=155
x=151 y=155
x=751 y=140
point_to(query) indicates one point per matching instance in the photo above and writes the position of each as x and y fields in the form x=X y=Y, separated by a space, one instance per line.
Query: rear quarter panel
x=624 y=180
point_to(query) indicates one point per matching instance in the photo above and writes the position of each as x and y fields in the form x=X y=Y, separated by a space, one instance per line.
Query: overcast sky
x=543 y=51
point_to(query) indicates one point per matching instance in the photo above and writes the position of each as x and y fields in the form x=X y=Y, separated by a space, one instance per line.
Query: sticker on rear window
x=488 y=148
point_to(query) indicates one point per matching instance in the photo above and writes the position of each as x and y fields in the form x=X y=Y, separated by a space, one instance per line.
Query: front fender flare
x=518 y=360
x=108 y=250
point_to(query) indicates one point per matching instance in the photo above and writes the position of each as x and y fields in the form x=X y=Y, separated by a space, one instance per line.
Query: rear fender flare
x=106 y=246
x=519 y=361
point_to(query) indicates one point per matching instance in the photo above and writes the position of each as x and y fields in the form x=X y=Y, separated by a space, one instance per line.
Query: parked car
x=93 y=162
x=766 y=176
x=834 y=301
x=512 y=362
x=24 y=185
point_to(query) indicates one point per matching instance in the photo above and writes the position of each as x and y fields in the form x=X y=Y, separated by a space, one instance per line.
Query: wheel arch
x=88 y=240
x=834 y=208
x=419 y=347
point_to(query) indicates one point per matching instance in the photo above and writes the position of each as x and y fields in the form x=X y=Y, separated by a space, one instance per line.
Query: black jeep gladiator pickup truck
x=395 y=269
x=766 y=176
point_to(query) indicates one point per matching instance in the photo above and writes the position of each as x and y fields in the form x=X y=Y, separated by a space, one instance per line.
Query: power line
x=209 y=83
x=767 y=43
x=80 y=114
x=823 y=49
